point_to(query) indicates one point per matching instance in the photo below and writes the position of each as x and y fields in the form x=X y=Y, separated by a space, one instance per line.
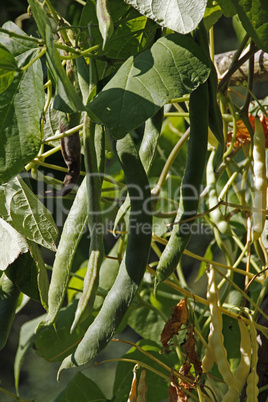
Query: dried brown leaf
x=189 y=346
x=180 y=315
x=175 y=392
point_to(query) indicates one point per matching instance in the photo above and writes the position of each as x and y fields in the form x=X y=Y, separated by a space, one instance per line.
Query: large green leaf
x=23 y=273
x=16 y=45
x=21 y=107
x=179 y=15
x=56 y=345
x=26 y=339
x=8 y=66
x=227 y=7
x=81 y=389
x=254 y=17
x=131 y=35
x=31 y=218
x=174 y=66
x=12 y=244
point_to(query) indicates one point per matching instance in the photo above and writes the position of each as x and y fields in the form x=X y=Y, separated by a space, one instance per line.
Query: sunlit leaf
x=12 y=244
x=254 y=17
x=30 y=217
x=143 y=84
x=21 y=106
x=179 y=15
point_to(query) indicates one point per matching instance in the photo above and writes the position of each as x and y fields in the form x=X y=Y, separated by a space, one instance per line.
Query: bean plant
x=133 y=199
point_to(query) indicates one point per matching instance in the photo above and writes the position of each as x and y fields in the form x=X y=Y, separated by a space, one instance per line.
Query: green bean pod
x=9 y=294
x=147 y=153
x=191 y=183
x=133 y=265
x=73 y=229
x=214 y=116
x=96 y=251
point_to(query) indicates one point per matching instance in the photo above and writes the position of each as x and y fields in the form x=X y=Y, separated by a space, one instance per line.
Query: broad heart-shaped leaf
x=8 y=66
x=254 y=17
x=31 y=218
x=174 y=66
x=21 y=107
x=12 y=244
x=81 y=389
x=181 y=16
x=15 y=45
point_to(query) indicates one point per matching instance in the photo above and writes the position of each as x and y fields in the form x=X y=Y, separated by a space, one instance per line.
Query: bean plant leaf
x=25 y=343
x=254 y=17
x=133 y=34
x=15 y=45
x=227 y=7
x=143 y=84
x=12 y=244
x=21 y=107
x=56 y=345
x=31 y=218
x=8 y=66
x=179 y=15
x=81 y=389
x=23 y=272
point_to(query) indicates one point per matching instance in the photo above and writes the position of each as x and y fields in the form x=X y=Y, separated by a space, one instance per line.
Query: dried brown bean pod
x=71 y=151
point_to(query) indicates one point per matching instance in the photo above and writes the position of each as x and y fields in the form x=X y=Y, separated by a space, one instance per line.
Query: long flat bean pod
x=73 y=229
x=260 y=181
x=191 y=183
x=133 y=265
x=215 y=338
x=147 y=153
x=214 y=116
x=96 y=250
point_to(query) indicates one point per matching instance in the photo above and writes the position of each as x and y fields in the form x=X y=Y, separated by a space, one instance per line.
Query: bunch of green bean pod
x=133 y=265
x=191 y=184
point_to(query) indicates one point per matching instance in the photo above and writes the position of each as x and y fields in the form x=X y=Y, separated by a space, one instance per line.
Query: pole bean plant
x=133 y=200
